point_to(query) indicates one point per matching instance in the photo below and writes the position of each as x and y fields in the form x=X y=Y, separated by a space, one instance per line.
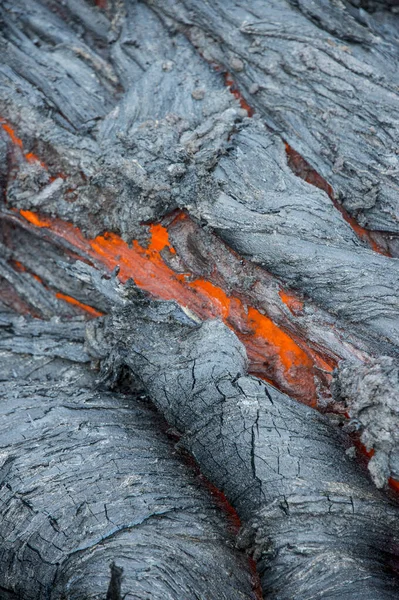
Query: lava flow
x=272 y=353
x=29 y=156
x=289 y=364
x=302 y=169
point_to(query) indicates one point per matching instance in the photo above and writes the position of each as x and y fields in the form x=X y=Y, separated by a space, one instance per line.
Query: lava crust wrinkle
x=278 y=462
x=90 y=480
x=130 y=161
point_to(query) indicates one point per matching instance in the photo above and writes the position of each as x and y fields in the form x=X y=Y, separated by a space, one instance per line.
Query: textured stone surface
x=327 y=77
x=89 y=479
x=304 y=503
x=114 y=118
x=370 y=393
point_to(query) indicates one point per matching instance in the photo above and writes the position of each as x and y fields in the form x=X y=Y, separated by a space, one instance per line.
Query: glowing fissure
x=302 y=169
x=272 y=353
x=28 y=156
x=229 y=81
x=64 y=297
x=85 y=307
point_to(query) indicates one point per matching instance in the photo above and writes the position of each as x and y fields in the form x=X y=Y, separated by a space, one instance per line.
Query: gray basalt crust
x=114 y=160
x=95 y=502
x=131 y=162
x=304 y=503
x=370 y=394
x=326 y=77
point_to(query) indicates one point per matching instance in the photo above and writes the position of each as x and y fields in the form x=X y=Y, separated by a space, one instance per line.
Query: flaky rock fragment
x=370 y=393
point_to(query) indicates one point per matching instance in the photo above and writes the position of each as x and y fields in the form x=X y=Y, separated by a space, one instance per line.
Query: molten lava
x=289 y=364
x=229 y=81
x=30 y=157
x=302 y=169
x=89 y=309
x=272 y=353
x=294 y=304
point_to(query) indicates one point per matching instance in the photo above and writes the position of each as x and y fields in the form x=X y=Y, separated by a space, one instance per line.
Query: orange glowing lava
x=29 y=156
x=272 y=353
x=394 y=484
x=85 y=307
x=64 y=297
x=302 y=169
x=35 y=219
x=15 y=140
x=229 y=81
x=294 y=304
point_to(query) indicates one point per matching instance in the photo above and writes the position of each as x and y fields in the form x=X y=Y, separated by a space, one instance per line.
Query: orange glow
x=29 y=156
x=229 y=81
x=360 y=231
x=368 y=453
x=159 y=238
x=302 y=169
x=394 y=484
x=215 y=294
x=37 y=277
x=19 y=266
x=294 y=304
x=16 y=140
x=291 y=355
x=89 y=309
x=222 y=501
x=22 y=269
x=35 y=219
x=273 y=354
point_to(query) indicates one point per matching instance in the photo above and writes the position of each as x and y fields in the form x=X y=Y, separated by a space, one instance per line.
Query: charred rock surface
x=206 y=256
x=370 y=394
x=95 y=503
x=306 y=507
x=310 y=69
x=118 y=161
x=39 y=267
x=78 y=143
x=203 y=254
